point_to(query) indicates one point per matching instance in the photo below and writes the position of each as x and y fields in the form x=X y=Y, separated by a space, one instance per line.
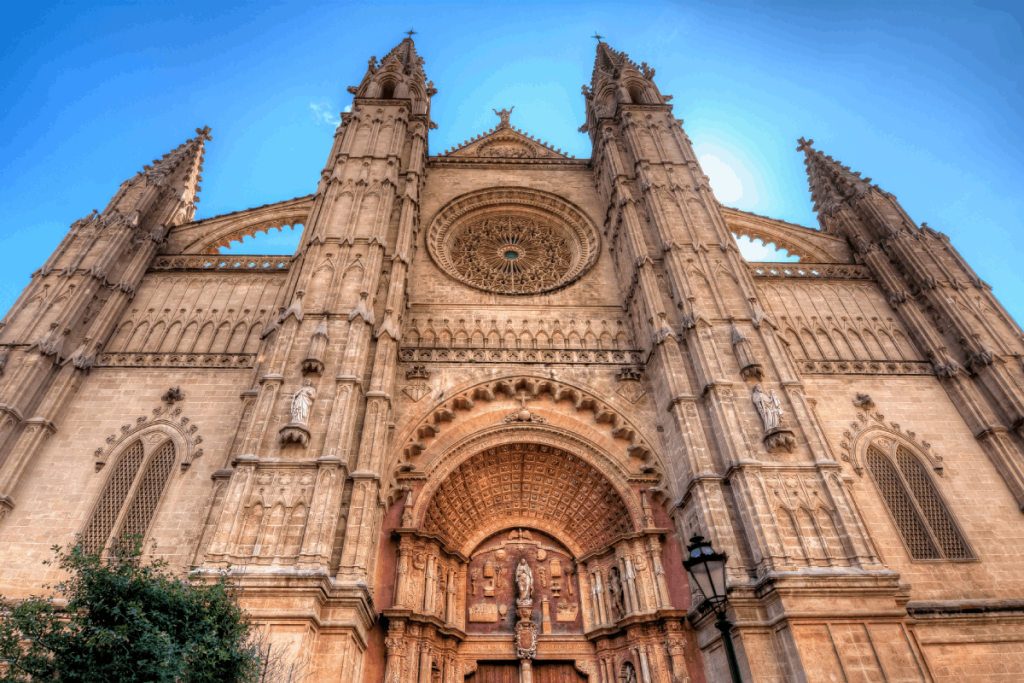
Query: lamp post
x=708 y=569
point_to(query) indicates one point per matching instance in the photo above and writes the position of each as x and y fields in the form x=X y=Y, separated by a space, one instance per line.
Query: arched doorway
x=598 y=593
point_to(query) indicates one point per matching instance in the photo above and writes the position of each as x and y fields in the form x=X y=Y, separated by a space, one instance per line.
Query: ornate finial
x=598 y=36
x=204 y=133
x=410 y=33
x=504 y=114
x=805 y=144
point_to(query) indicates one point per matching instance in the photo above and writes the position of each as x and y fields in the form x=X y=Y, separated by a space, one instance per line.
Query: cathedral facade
x=466 y=430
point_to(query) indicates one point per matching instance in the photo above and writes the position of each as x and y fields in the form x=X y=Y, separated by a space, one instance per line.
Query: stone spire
x=402 y=61
x=830 y=182
x=609 y=63
x=617 y=80
x=405 y=55
x=179 y=169
x=398 y=76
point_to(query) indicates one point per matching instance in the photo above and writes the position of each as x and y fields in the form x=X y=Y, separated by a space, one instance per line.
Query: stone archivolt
x=527 y=484
x=166 y=421
x=513 y=240
x=458 y=403
x=871 y=426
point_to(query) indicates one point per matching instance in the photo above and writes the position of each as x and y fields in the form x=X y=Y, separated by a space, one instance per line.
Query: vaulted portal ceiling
x=527 y=485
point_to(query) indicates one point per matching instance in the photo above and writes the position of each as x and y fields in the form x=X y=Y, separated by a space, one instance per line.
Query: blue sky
x=924 y=97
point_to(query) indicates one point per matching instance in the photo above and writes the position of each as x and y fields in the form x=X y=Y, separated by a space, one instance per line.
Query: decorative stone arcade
x=525 y=552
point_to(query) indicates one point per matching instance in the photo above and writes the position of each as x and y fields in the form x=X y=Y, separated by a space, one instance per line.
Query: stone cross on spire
x=805 y=144
x=504 y=114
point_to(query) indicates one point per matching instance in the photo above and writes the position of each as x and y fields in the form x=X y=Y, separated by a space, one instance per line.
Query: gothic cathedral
x=466 y=431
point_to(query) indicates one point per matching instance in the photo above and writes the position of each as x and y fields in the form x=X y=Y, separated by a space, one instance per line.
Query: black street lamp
x=708 y=569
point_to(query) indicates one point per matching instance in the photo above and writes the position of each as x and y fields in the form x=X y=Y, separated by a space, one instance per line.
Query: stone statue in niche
x=474 y=576
x=297 y=431
x=768 y=407
x=302 y=403
x=542 y=577
x=615 y=589
x=524 y=583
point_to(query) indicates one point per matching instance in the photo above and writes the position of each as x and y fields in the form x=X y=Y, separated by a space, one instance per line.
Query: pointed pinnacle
x=830 y=182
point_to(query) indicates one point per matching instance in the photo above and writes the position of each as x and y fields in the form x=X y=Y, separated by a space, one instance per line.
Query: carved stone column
x=395 y=643
x=599 y=605
x=429 y=584
x=450 y=599
x=629 y=585
x=660 y=584
x=645 y=665
x=634 y=584
x=426 y=660
x=402 y=582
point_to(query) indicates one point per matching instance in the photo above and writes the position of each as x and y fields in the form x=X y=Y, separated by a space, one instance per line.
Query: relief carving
x=512 y=587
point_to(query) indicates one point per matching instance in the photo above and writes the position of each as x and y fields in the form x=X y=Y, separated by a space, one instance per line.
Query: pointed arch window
x=918 y=511
x=129 y=499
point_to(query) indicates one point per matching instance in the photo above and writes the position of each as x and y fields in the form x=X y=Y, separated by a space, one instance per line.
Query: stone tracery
x=513 y=254
x=512 y=241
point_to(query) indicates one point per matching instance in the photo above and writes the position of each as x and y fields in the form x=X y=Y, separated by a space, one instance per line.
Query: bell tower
x=329 y=358
x=740 y=415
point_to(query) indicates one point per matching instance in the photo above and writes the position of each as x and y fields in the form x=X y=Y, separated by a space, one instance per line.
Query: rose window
x=512 y=254
x=513 y=241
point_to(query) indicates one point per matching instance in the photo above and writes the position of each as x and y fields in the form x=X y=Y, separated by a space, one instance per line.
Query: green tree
x=121 y=620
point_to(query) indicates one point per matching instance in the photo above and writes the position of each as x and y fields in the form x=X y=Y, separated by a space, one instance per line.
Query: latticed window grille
x=917 y=510
x=140 y=510
x=921 y=485
x=98 y=529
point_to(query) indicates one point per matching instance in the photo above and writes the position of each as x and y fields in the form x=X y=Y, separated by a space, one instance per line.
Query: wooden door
x=543 y=672
x=556 y=672
x=495 y=672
